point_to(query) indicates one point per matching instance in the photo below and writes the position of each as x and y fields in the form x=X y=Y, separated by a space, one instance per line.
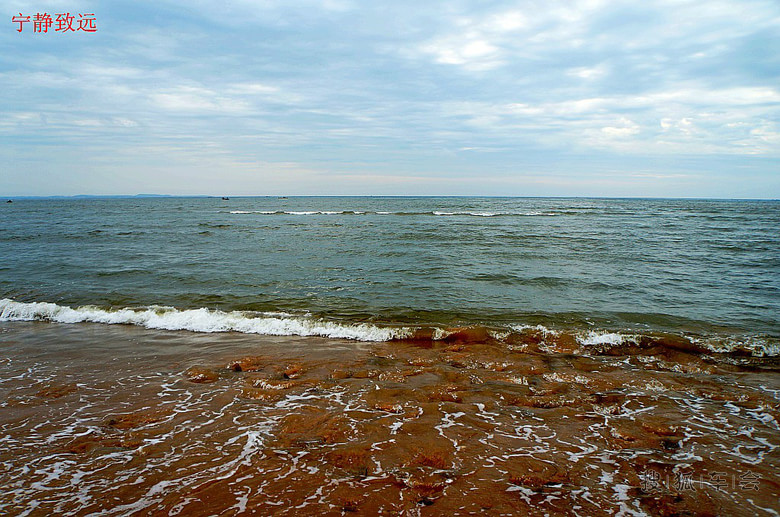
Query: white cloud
x=767 y=133
x=687 y=121
x=471 y=53
x=251 y=88
x=588 y=72
x=624 y=129
x=196 y=100
x=507 y=21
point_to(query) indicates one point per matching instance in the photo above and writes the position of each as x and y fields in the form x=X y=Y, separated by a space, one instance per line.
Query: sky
x=656 y=98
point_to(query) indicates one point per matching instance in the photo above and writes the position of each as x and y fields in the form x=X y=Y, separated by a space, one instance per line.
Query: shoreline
x=568 y=337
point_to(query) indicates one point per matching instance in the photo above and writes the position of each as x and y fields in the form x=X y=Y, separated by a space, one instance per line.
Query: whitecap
x=200 y=320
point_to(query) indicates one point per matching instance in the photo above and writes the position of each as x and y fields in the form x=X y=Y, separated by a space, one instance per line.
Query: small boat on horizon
x=225 y=198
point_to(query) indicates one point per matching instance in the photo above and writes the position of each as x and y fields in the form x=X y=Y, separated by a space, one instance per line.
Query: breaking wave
x=199 y=320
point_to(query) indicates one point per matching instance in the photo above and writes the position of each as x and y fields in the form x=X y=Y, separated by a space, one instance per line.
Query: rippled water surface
x=683 y=265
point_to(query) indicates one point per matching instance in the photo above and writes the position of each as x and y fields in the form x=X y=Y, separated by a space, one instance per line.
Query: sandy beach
x=121 y=420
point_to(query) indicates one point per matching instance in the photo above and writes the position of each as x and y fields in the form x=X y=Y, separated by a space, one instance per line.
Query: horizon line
x=278 y=196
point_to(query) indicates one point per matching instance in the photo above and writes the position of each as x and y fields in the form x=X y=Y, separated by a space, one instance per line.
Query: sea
x=386 y=355
x=373 y=268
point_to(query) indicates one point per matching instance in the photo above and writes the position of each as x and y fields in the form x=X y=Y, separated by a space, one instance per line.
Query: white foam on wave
x=475 y=214
x=538 y=328
x=757 y=346
x=321 y=212
x=496 y=214
x=594 y=338
x=200 y=320
x=358 y=212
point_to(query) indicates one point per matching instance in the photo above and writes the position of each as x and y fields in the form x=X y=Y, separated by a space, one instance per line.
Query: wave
x=429 y=213
x=618 y=343
x=303 y=212
x=595 y=338
x=588 y=342
x=475 y=214
x=199 y=320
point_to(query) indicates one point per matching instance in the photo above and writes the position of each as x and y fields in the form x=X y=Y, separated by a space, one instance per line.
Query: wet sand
x=124 y=420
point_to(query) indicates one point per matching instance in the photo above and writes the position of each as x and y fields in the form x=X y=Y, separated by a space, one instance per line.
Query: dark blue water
x=676 y=265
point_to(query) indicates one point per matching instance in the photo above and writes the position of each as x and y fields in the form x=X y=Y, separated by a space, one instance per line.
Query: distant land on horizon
x=98 y=196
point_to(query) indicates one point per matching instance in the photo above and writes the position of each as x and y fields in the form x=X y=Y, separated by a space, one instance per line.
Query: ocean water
x=374 y=268
x=389 y=356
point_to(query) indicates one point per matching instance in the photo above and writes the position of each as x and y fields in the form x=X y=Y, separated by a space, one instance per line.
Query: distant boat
x=225 y=198
x=9 y=201
x=283 y=197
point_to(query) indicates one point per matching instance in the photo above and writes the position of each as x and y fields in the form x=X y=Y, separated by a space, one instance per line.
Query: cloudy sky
x=668 y=98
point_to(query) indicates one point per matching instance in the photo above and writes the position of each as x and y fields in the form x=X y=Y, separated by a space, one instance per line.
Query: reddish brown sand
x=123 y=420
